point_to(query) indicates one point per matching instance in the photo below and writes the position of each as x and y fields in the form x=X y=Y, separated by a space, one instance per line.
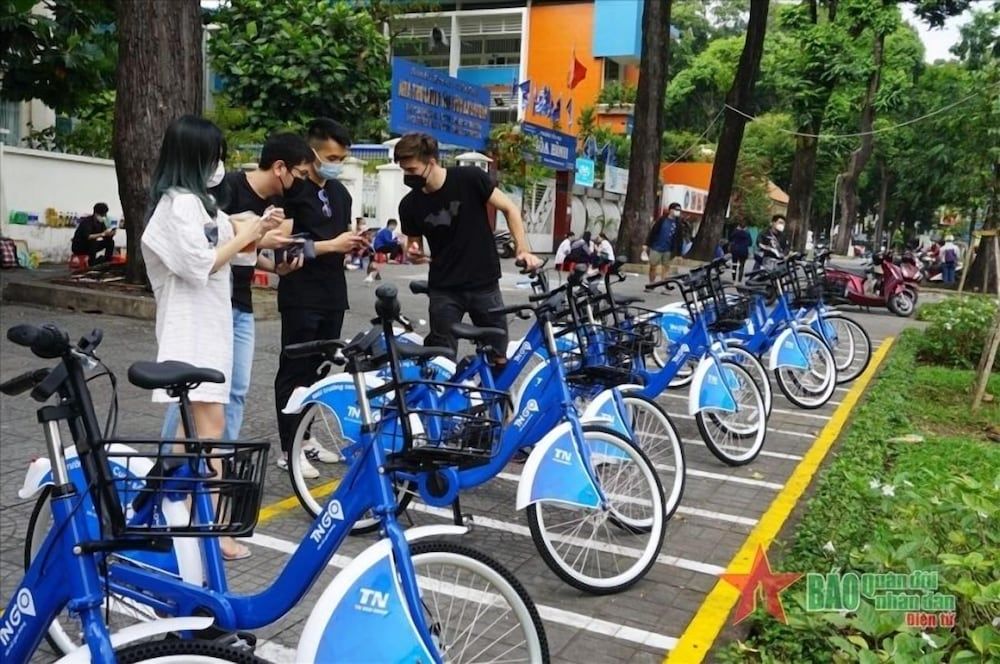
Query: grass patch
x=888 y=504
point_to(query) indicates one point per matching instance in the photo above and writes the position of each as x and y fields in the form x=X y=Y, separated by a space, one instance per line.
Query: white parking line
x=524 y=531
x=797 y=434
x=549 y=613
x=693 y=472
x=801 y=413
x=766 y=453
x=681 y=509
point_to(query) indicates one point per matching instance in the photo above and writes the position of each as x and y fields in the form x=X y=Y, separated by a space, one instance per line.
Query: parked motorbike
x=505 y=244
x=846 y=285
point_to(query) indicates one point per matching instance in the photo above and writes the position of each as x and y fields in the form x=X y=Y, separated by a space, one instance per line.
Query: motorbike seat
x=861 y=272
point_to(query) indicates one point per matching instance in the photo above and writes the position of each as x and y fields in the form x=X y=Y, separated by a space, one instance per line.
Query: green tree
x=738 y=100
x=59 y=51
x=289 y=61
x=644 y=161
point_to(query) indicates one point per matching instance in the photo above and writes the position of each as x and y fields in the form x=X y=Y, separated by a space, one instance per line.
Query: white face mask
x=780 y=228
x=215 y=179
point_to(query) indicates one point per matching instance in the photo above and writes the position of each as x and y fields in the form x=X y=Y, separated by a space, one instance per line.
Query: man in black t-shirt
x=284 y=160
x=92 y=236
x=448 y=207
x=312 y=300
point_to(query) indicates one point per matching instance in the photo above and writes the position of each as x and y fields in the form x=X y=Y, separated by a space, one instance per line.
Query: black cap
x=674 y=206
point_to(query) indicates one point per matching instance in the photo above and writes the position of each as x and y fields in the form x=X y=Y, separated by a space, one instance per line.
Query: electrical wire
x=880 y=130
x=697 y=141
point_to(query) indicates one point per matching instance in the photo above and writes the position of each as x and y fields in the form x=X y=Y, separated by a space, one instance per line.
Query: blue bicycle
x=593 y=500
x=395 y=602
x=66 y=572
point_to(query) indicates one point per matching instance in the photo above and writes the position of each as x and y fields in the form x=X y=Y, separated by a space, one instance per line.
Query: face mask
x=414 y=181
x=328 y=171
x=215 y=179
x=296 y=187
x=676 y=214
x=780 y=228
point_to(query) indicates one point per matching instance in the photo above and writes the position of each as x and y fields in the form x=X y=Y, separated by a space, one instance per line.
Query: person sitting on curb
x=93 y=236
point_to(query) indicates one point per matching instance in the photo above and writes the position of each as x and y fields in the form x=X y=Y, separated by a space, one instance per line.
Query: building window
x=10 y=119
x=612 y=71
x=490 y=51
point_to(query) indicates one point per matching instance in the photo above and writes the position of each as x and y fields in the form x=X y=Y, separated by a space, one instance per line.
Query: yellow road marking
x=704 y=628
x=287 y=504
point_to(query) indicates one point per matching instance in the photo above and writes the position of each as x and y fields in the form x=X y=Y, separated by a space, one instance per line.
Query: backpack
x=8 y=253
x=950 y=255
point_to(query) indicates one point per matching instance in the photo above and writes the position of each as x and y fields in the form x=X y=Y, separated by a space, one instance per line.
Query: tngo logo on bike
x=562 y=456
x=529 y=408
x=373 y=601
x=12 y=622
x=333 y=512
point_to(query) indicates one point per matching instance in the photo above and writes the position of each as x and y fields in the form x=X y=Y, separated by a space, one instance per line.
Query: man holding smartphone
x=284 y=160
x=313 y=299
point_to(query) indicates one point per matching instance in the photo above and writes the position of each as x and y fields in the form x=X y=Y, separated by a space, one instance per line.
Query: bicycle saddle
x=171 y=375
x=476 y=334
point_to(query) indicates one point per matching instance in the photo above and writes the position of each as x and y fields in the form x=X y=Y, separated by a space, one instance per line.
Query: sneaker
x=316 y=452
x=370 y=278
x=307 y=469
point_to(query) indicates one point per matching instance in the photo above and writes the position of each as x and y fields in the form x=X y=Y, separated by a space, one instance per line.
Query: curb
x=700 y=634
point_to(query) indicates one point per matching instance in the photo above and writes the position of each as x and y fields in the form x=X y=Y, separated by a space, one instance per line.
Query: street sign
x=585 y=172
x=554 y=149
x=452 y=111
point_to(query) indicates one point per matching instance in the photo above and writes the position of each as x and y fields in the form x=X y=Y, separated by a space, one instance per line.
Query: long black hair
x=191 y=149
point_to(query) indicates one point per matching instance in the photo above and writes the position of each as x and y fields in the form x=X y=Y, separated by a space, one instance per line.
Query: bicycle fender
x=39 y=475
x=363 y=616
x=708 y=389
x=785 y=352
x=555 y=472
x=603 y=410
x=675 y=325
x=140 y=632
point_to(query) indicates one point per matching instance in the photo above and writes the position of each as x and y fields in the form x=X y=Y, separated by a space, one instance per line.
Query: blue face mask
x=329 y=171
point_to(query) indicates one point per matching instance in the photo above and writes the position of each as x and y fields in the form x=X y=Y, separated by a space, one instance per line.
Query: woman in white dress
x=187 y=245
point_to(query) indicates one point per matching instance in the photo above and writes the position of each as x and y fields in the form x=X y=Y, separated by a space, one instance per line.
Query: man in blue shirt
x=661 y=243
x=386 y=241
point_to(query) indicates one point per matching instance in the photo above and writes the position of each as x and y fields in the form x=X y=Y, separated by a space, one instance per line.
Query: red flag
x=577 y=72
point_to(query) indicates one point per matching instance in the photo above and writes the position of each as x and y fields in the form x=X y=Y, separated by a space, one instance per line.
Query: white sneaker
x=308 y=471
x=370 y=278
x=316 y=452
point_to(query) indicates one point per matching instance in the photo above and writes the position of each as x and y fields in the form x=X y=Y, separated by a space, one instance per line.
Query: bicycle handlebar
x=47 y=341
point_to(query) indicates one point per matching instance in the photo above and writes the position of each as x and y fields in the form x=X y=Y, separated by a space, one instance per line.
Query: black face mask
x=414 y=181
x=296 y=188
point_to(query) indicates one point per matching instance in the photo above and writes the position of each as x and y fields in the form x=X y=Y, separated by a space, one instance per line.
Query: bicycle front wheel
x=812 y=387
x=851 y=346
x=606 y=549
x=174 y=651
x=735 y=437
x=476 y=610
x=319 y=460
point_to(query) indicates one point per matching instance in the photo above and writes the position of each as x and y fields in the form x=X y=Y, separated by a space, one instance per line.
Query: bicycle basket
x=604 y=354
x=807 y=285
x=156 y=481
x=450 y=424
x=731 y=314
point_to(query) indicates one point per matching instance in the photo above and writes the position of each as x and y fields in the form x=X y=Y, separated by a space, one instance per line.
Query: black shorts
x=450 y=306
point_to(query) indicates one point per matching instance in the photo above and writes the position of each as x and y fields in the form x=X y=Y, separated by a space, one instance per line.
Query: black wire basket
x=807 y=284
x=160 y=484
x=445 y=424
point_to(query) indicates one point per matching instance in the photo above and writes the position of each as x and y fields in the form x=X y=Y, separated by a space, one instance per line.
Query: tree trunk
x=644 y=162
x=803 y=185
x=859 y=158
x=160 y=77
x=983 y=271
x=883 y=202
x=740 y=96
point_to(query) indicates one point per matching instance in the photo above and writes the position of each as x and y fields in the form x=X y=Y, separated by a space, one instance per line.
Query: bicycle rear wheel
x=609 y=548
x=476 y=609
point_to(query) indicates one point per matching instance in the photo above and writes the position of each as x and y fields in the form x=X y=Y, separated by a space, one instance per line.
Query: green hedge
x=957 y=331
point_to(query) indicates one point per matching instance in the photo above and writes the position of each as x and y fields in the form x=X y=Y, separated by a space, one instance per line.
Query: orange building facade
x=533 y=44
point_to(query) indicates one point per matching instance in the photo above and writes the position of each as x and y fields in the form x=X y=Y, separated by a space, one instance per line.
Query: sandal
x=241 y=553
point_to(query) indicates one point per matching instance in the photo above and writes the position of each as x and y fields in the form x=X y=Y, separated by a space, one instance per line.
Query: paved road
x=720 y=506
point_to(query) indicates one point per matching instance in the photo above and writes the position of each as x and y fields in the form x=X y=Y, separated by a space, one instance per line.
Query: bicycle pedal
x=245 y=641
x=469 y=521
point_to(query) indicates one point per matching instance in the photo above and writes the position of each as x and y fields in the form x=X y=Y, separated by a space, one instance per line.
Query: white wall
x=35 y=180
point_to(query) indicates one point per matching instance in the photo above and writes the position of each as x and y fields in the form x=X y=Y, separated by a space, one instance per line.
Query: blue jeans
x=948 y=273
x=239 y=381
